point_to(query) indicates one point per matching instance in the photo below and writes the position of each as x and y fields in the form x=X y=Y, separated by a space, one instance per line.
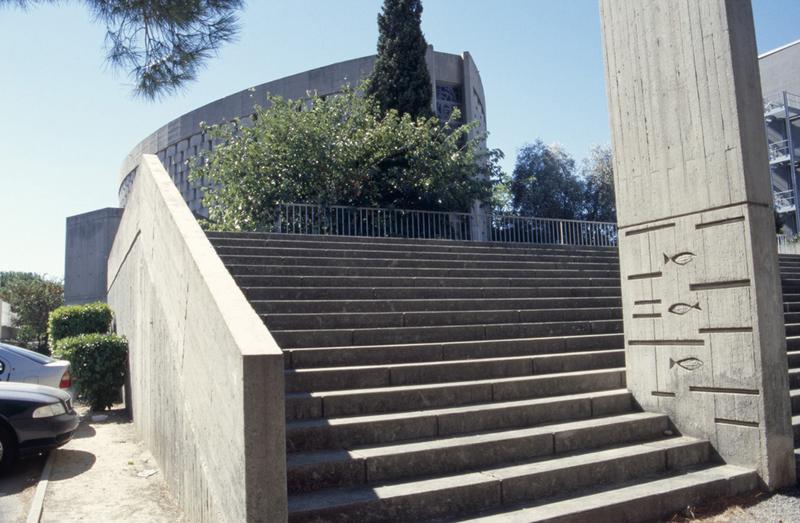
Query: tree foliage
x=598 y=176
x=32 y=298
x=340 y=150
x=400 y=80
x=161 y=44
x=544 y=183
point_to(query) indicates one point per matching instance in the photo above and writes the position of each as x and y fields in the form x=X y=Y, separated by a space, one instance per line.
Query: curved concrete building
x=455 y=79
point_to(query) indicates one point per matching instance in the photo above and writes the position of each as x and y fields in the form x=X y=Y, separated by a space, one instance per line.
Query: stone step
x=651 y=499
x=362 y=320
x=403 y=335
x=792 y=343
x=796 y=429
x=330 y=261
x=359 y=402
x=310 y=471
x=794 y=396
x=420 y=293
x=793 y=329
x=406 y=254
x=794 y=359
x=387 y=281
x=352 y=306
x=791 y=307
x=460 y=350
x=417 y=272
x=355 y=242
x=342 y=378
x=791 y=297
x=348 y=432
x=794 y=378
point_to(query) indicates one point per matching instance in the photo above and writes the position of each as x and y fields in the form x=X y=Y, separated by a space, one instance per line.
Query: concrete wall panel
x=88 y=242
x=206 y=375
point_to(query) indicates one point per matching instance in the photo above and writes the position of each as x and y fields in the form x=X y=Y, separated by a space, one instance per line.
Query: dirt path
x=106 y=474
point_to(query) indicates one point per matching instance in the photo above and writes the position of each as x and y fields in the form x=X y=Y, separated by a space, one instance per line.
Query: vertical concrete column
x=704 y=335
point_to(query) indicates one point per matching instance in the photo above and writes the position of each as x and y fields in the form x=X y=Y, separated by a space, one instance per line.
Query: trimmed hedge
x=72 y=320
x=99 y=363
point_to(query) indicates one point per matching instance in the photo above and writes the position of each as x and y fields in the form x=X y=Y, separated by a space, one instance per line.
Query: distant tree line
x=32 y=298
x=548 y=183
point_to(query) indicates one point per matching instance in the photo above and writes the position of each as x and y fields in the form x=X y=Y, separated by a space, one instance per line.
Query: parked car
x=26 y=366
x=33 y=418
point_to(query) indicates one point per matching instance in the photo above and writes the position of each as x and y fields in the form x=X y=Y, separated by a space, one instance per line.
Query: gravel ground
x=782 y=507
x=105 y=474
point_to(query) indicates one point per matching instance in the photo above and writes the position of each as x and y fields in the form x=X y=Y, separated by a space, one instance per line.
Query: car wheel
x=8 y=448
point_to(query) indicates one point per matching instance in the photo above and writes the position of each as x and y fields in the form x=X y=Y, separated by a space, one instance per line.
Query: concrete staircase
x=790 y=280
x=439 y=380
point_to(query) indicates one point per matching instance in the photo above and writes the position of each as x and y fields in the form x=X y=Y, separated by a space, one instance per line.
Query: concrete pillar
x=704 y=334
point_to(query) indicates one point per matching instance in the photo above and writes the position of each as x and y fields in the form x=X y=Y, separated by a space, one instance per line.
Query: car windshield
x=25 y=353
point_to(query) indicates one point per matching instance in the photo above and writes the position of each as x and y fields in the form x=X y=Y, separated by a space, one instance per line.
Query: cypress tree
x=401 y=80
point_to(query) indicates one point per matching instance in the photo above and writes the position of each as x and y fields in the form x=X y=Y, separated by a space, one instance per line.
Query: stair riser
x=369 y=377
x=427 y=319
x=794 y=360
x=418 y=293
x=346 y=281
x=353 y=306
x=476 y=455
x=449 y=395
x=387 y=336
x=476 y=419
x=379 y=355
x=374 y=244
x=413 y=255
x=793 y=330
x=290 y=261
x=383 y=272
x=794 y=379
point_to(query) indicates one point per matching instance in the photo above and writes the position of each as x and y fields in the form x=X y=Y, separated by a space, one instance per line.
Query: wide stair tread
x=496 y=487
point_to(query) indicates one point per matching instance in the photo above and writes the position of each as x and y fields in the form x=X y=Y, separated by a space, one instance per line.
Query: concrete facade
x=780 y=84
x=455 y=80
x=704 y=336
x=7 y=329
x=88 y=242
x=206 y=375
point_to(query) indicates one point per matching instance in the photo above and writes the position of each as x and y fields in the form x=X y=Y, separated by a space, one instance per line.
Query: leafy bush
x=32 y=297
x=99 y=363
x=72 y=320
x=340 y=150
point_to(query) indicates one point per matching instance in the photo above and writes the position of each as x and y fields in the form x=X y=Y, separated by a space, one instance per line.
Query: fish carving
x=689 y=364
x=683 y=308
x=682 y=258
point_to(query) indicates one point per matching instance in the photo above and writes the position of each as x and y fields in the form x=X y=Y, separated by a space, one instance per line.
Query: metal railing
x=526 y=229
x=784 y=201
x=296 y=218
x=788 y=245
x=778 y=150
x=335 y=220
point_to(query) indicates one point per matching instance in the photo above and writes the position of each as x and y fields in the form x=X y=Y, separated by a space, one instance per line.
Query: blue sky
x=66 y=121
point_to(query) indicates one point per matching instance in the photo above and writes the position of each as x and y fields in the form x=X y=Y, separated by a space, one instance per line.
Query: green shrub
x=99 y=363
x=72 y=320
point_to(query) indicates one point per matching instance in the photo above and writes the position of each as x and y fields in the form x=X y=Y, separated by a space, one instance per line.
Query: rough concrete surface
x=17 y=487
x=698 y=259
x=95 y=477
x=206 y=376
x=755 y=507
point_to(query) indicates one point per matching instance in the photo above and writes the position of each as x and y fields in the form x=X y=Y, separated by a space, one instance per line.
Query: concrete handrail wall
x=206 y=375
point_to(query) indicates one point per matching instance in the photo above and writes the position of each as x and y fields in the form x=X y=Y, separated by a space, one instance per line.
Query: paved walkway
x=106 y=474
x=17 y=487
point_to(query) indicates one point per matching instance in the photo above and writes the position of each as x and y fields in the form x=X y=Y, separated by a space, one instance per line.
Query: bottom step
x=643 y=500
x=499 y=488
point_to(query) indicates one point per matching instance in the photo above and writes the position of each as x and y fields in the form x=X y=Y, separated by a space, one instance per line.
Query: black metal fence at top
x=298 y=218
